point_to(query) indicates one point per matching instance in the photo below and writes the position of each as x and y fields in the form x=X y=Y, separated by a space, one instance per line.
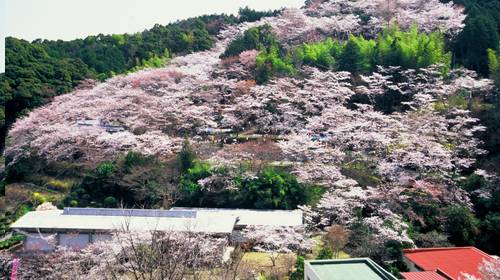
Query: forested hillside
x=39 y=70
x=380 y=118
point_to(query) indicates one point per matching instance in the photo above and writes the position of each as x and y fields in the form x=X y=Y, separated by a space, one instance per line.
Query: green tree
x=411 y=49
x=110 y=201
x=325 y=253
x=105 y=169
x=298 y=274
x=249 y=15
x=273 y=189
x=479 y=34
x=192 y=193
x=259 y=37
x=357 y=55
x=460 y=225
x=321 y=54
x=431 y=239
x=186 y=156
x=351 y=59
x=494 y=65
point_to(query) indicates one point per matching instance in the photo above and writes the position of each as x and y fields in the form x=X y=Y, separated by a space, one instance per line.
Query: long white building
x=77 y=227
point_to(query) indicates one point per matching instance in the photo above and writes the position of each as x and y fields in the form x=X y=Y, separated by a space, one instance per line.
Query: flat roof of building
x=254 y=217
x=451 y=261
x=53 y=220
x=348 y=269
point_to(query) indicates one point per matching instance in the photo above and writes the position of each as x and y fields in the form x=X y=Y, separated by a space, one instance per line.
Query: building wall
x=48 y=242
x=411 y=266
x=40 y=242
x=100 y=237
x=74 y=240
x=308 y=273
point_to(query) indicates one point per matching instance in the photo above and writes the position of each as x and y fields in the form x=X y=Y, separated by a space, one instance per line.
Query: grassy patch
x=260 y=260
x=319 y=245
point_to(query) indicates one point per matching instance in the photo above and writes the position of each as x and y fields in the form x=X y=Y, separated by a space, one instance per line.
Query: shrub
x=13 y=240
x=109 y=201
x=298 y=274
x=60 y=185
x=37 y=198
x=105 y=169
x=325 y=253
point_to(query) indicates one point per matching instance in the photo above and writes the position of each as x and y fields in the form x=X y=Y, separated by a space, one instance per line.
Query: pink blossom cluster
x=427 y=15
x=281 y=239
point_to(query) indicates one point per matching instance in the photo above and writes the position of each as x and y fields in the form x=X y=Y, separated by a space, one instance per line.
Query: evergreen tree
x=461 y=225
x=351 y=59
x=186 y=156
x=480 y=33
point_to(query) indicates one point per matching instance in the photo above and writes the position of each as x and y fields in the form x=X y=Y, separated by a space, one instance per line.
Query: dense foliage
x=135 y=180
x=392 y=47
x=132 y=180
x=203 y=185
x=113 y=54
x=259 y=37
x=481 y=32
x=249 y=15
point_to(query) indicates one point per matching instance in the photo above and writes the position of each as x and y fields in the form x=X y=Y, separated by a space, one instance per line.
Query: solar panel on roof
x=129 y=212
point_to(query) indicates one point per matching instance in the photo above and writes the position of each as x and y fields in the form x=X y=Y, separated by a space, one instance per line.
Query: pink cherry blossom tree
x=276 y=241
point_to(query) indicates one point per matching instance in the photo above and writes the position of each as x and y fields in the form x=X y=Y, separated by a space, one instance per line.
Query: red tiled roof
x=422 y=275
x=452 y=261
